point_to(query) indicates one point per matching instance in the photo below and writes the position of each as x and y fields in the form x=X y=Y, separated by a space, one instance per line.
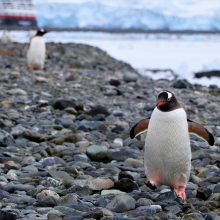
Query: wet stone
x=193 y=216
x=150 y=209
x=203 y=193
x=66 y=103
x=98 y=109
x=121 y=203
x=5 y=138
x=97 y=152
x=7 y=215
x=126 y=185
x=216 y=188
x=130 y=77
x=67 y=211
x=100 y=184
x=68 y=199
x=47 y=198
x=144 y=202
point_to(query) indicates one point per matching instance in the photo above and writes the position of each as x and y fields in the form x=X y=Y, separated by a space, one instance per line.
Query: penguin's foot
x=180 y=191
x=32 y=68
x=151 y=185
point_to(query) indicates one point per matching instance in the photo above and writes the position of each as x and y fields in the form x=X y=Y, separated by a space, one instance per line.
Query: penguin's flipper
x=198 y=130
x=139 y=128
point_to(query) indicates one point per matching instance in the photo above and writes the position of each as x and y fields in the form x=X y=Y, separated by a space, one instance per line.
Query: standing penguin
x=167 y=157
x=37 y=51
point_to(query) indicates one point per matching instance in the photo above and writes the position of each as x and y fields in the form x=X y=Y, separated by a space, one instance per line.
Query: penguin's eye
x=168 y=99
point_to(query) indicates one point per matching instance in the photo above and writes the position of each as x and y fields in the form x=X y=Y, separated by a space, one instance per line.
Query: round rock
x=97 y=152
x=121 y=203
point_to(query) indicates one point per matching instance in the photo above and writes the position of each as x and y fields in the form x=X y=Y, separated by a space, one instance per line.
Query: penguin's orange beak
x=160 y=103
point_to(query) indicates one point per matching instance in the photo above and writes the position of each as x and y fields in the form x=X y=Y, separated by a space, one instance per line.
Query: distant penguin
x=36 y=53
x=167 y=156
x=5 y=38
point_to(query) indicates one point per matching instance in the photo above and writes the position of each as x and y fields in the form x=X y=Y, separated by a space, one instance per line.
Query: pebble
x=111 y=191
x=150 y=209
x=17 y=92
x=130 y=77
x=134 y=163
x=216 y=188
x=121 y=203
x=100 y=184
x=55 y=215
x=126 y=185
x=97 y=152
x=193 y=216
x=144 y=202
x=203 y=193
x=47 y=198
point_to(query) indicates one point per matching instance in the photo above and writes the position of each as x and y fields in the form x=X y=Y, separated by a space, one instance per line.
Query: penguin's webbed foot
x=180 y=191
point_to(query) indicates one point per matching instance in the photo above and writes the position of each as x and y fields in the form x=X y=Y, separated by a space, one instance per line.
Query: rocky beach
x=65 y=151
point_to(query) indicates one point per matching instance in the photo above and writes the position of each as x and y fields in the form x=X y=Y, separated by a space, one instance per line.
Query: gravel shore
x=65 y=151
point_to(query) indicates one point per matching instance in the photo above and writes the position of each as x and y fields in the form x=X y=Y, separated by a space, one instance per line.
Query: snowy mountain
x=174 y=15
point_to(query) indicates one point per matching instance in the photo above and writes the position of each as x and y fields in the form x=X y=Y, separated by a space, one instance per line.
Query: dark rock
x=207 y=74
x=97 y=152
x=7 y=215
x=182 y=84
x=47 y=198
x=126 y=185
x=216 y=188
x=118 y=129
x=94 y=214
x=91 y=126
x=173 y=208
x=11 y=187
x=98 y=109
x=144 y=202
x=4 y=194
x=130 y=77
x=50 y=161
x=60 y=139
x=114 y=82
x=193 y=216
x=5 y=138
x=33 y=136
x=169 y=196
x=124 y=174
x=211 y=216
x=73 y=218
x=120 y=155
x=121 y=203
x=61 y=104
x=66 y=123
x=150 y=209
x=203 y=193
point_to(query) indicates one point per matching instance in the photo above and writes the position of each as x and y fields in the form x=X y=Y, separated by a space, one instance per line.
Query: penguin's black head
x=41 y=32
x=166 y=101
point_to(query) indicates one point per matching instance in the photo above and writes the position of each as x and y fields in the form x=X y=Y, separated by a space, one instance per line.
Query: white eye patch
x=169 y=95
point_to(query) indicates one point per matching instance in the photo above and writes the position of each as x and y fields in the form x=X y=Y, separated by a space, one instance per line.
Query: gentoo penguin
x=167 y=156
x=5 y=38
x=37 y=51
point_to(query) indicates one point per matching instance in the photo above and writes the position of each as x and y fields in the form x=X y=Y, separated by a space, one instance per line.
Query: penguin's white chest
x=167 y=148
x=36 y=52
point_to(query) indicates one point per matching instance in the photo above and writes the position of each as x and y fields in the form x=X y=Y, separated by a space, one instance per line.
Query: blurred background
x=161 y=39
